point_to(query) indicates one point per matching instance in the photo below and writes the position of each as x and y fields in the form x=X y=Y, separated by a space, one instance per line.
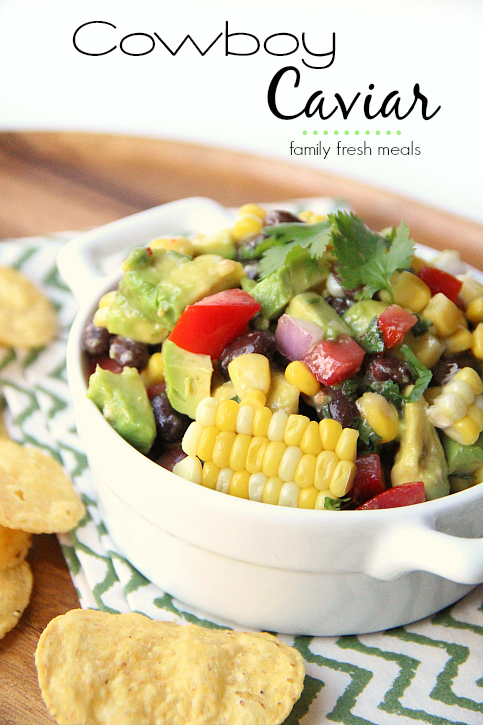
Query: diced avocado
x=275 y=291
x=461 y=459
x=421 y=455
x=312 y=307
x=221 y=243
x=124 y=403
x=360 y=314
x=188 y=377
x=282 y=395
x=158 y=284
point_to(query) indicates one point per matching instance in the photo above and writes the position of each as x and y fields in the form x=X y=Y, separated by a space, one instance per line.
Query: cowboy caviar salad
x=298 y=360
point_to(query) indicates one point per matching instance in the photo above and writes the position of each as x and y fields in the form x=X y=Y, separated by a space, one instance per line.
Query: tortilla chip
x=14 y=547
x=120 y=669
x=35 y=493
x=15 y=590
x=27 y=317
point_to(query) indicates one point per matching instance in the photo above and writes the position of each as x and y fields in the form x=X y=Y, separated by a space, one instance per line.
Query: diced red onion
x=295 y=337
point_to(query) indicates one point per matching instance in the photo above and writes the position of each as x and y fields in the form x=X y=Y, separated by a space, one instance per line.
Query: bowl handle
x=80 y=261
x=421 y=548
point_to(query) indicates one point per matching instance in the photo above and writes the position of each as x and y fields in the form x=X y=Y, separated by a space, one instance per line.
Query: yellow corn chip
x=35 y=493
x=14 y=547
x=15 y=590
x=27 y=317
x=118 y=669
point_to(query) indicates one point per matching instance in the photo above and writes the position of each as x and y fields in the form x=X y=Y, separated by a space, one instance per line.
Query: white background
x=46 y=84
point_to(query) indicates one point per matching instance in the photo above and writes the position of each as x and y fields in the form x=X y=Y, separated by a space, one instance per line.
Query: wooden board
x=58 y=181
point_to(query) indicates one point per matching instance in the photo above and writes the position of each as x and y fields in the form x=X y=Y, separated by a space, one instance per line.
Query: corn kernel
x=255 y=454
x=298 y=374
x=283 y=395
x=107 y=299
x=276 y=427
x=239 y=452
x=474 y=311
x=459 y=341
x=246 y=225
x=330 y=431
x=244 y=419
x=311 y=442
x=410 y=291
x=255 y=398
x=430 y=394
x=222 y=448
x=295 y=428
x=250 y=372
x=252 y=209
x=153 y=373
x=174 y=244
x=226 y=415
x=477 y=347
x=289 y=462
x=307 y=497
x=444 y=314
x=461 y=388
x=476 y=414
x=256 y=484
x=100 y=317
x=428 y=349
x=325 y=465
x=346 y=447
x=209 y=475
x=189 y=444
x=464 y=431
x=223 y=480
x=271 y=491
x=447 y=408
x=206 y=411
x=305 y=472
x=239 y=484
x=470 y=290
x=272 y=457
x=223 y=391
x=418 y=263
x=289 y=494
x=380 y=415
x=261 y=421
x=470 y=376
x=342 y=478
x=189 y=468
x=206 y=443
x=322 y=496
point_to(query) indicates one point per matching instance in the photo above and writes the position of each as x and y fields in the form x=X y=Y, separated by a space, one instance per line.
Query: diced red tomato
x=106 y=363
x=406 y=494
x=394 y=323
x=440 y=281
x=209 y=325
x=369 y=478
x=332 y=361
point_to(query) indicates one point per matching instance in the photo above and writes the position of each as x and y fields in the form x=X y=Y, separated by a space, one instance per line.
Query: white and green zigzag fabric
x=427 y=672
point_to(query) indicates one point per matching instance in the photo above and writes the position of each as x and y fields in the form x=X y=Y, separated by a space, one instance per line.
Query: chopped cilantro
x=389 y=389
x=334 y=504
x=368 y=437
x=352 y=389
x=286 y=241
x=420 y=373
x=420 y=327
x=372 y=340
x=368 y=259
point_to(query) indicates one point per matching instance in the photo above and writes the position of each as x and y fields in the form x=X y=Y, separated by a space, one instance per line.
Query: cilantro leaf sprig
x=420 y=373
x=366 y=259
x=286 y=241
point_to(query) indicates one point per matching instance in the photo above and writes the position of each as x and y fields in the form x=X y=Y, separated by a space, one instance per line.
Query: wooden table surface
x=59 y=181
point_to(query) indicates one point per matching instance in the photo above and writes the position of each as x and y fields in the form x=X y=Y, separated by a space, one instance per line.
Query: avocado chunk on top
x=124 y=403
x=312 y=307
x=359 y=316
x=221 y=243
x=420 y=456
x=275 y=291
x=158 y=284
x=188 y=377
x=463 y=460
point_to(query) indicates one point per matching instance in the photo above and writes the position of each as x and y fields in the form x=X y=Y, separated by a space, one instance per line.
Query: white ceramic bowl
x=260 y=566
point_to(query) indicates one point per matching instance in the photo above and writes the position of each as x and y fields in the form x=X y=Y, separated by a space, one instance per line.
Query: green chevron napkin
x=427 y=672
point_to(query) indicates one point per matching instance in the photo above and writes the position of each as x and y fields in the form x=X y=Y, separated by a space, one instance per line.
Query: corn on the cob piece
x=457 y=408
x=250 y=452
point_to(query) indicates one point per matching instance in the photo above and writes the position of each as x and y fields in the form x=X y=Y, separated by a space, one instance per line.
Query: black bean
x=280 y=216
x=251 y=270
x=246 y=250
x=340 y=304
x=341 y=408
x=383 y=367
x=170 y=425
x=95 y=340
x=129 y=353
x=259 y=341
x=170 y=458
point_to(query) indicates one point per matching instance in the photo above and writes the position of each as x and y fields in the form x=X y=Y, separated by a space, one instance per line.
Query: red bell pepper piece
x=406 y=494
x=209 y=325
x=440 y=281
x=394 y=323
x=369 y=478
x=332 y=361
